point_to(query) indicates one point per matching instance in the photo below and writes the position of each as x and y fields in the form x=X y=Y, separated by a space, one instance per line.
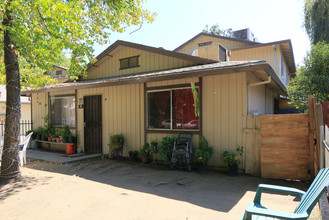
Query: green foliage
x=145 y=150
x=316 y=17
x=232 y=158
x=204 y=152
x=66 y=132
x=47 y=28
x=29 y=131
x=165 y=150
x=215 y=30
x=312 y=78
x=58 y=132
x=116 y=142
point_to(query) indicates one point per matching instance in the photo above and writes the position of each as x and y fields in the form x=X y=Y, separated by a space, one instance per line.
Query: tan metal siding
x=258 y=53
x=122 y=112
x=223 y=108
x=193 y=45
x=110 y=65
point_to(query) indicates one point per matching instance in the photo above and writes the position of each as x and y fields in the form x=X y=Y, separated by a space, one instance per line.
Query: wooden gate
x=285 y=152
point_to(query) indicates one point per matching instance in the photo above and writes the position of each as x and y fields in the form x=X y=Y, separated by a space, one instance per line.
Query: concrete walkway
x=58 y=157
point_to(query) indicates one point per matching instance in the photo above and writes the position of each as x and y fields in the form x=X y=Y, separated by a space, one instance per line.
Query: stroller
x=182 y=152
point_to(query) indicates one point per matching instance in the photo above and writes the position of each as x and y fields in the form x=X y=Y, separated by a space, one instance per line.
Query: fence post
x=313 y=137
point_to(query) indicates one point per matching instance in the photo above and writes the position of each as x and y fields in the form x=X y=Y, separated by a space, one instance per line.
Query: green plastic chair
x=308 y=200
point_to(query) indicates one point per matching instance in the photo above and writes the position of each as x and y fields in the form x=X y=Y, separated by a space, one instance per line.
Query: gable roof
x=216 y=36
x=60 y=67
x=197 y=60
x=286 y=50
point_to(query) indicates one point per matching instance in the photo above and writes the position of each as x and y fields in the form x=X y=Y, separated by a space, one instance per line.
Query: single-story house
x=145 y=93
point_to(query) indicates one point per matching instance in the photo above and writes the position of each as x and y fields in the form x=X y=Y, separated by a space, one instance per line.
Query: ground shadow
x=212 y=189
x=9 y=187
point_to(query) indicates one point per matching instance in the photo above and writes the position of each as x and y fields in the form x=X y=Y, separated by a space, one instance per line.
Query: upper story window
x=59 y=72
x=129 y=62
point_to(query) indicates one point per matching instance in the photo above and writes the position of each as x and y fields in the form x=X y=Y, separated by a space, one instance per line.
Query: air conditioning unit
x=244 y=34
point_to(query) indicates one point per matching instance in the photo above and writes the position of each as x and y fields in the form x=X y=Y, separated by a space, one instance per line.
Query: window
x=62 y=111
x=172 y=109
x=129 y=62
x=58 y=72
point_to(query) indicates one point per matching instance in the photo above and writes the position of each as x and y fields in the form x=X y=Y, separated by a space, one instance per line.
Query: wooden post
x=313 y=137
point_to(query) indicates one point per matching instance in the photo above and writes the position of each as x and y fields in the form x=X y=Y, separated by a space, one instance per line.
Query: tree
x=215 y=30
x=38 y=31
x=316 y=15
x=312 y=78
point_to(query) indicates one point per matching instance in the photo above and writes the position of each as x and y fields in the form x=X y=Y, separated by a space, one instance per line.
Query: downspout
x=269 y=80
x=274 y=57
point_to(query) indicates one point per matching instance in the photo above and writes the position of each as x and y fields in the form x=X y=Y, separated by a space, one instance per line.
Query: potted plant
x=39 y=133
x=145 y=151
x=66 y=133
x=116 y=144
x=58 y=133
x=33 y=135
x=232 y=160
x=203 y=154
x=165 y=150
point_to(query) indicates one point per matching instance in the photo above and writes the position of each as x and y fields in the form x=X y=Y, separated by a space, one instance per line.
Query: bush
x=204 y=152
x=165 y=150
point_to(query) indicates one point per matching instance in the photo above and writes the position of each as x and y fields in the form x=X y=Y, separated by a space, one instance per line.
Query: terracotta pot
x=58 y=140
x=145 y=158
x=49 y=139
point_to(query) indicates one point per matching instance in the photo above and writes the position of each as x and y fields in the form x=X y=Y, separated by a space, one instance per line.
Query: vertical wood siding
x=122 y=112
x=110 y=66
x=223 y=111
x=258 y=53
x=193 y=45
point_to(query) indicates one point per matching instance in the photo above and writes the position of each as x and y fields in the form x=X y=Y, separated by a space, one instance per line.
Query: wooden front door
x=93 y=124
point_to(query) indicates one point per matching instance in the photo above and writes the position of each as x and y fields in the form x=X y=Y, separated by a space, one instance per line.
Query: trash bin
x=70 y=149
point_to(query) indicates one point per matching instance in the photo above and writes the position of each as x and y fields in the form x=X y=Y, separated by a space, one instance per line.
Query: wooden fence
x=284 y=146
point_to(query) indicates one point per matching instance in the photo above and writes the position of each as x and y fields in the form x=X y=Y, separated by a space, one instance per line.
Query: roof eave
x=165 y=75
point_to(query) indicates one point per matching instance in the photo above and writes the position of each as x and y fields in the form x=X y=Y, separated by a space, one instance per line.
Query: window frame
x=75 y=110
x=129 y=62
x=171 y=88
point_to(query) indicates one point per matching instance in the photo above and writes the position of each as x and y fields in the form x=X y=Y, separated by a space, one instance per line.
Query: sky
x=180 y=20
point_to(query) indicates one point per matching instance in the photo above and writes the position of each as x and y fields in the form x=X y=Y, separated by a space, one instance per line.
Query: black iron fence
x=24 y=126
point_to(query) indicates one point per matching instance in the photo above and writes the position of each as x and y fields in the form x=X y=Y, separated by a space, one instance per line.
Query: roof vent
x=244 y=34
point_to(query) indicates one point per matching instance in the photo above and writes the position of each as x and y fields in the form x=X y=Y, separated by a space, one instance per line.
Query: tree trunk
x=10 y=163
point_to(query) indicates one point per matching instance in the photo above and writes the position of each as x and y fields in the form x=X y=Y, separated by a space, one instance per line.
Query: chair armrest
x=287 y=190
x=253 y=210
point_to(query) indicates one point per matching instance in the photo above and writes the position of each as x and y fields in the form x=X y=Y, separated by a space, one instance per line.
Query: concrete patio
x=58 y=157
x=122 y=189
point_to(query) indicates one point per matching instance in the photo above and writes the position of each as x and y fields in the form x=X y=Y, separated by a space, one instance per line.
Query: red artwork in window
x=183 y=110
